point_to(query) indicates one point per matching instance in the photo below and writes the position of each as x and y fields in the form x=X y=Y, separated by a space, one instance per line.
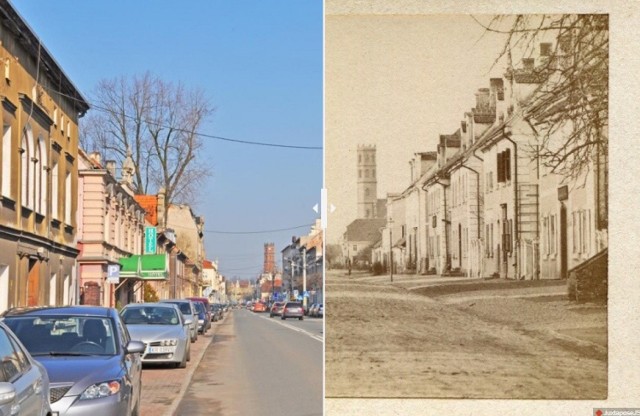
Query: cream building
x=39 y=170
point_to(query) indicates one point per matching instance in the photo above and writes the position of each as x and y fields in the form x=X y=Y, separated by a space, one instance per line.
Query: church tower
x=367 y=182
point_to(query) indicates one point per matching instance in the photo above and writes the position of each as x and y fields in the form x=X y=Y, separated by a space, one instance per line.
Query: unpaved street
x=386 y=341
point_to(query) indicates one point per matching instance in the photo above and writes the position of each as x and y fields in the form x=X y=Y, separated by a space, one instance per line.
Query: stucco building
x=110 y=227
x=39 y=169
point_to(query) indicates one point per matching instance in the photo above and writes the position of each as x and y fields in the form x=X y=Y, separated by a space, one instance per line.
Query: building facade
x=110 y=227
x=39 y=169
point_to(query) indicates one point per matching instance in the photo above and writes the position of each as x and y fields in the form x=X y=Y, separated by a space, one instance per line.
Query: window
x=9 y=361
x=62 y=124
x=4 y=287
x=53 y=285
x=6 y=160
x=545 y=235
x=42 y=172
x=552 y=234
x=54 y=190
x=67 y=198
x=24 y=171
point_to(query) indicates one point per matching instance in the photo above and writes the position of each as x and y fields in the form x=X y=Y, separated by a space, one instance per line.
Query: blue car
x=94 y=367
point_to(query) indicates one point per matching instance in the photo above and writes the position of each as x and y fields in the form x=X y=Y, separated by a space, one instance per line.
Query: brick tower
x=367 y=182
x=269 y=258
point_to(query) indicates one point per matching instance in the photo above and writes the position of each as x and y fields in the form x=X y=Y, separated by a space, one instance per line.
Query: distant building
x=269 y=258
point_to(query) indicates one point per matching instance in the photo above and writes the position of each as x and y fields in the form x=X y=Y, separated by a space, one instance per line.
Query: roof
x=14 y=23
x=150 y=205
x=450 y=140
x=207 y=264
x=365 y=229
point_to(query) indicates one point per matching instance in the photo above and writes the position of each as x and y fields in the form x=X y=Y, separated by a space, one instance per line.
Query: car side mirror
x=134 y=347
x=7 y=393
x=188 y=321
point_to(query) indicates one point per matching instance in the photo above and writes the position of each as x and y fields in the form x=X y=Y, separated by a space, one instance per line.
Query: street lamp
x=390 y=222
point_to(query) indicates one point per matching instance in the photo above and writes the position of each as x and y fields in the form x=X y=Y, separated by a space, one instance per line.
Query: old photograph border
x=623 y=346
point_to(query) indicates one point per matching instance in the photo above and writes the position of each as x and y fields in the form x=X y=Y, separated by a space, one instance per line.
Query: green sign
x=150 y=240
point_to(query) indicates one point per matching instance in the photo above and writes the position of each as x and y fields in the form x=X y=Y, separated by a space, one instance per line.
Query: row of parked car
x=87 y=360
x=290 y=309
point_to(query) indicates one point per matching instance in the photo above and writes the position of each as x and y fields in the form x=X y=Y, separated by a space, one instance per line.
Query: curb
x=195 y=361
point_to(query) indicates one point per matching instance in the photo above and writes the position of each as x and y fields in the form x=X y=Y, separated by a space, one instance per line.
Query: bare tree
x=569 y=107
x=572 y=97
x=158 y=122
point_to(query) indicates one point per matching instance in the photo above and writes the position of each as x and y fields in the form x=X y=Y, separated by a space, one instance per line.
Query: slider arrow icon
x=315 y=208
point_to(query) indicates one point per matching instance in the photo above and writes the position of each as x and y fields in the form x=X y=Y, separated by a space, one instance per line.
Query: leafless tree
x=158 y=122
x=569 y=107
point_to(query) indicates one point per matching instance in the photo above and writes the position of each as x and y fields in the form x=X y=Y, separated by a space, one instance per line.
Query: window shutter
x=507 y=165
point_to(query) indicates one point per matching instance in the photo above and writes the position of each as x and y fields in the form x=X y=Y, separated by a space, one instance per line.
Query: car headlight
x=169 y=342
x=98 y=390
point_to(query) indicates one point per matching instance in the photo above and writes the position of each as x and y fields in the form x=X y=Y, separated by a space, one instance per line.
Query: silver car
x=24 y=383
x=162 y=329
x=94 y=367
x=189 y=311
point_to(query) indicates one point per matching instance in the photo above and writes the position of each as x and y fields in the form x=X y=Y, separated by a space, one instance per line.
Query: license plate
x=160 y=350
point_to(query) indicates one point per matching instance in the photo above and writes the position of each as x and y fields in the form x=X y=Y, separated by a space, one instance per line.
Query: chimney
x=111 y=167
x=497 y=88
x=545 y=49
x=527 y=64
x=483 y=104
x=160 y=208
x=96 y=158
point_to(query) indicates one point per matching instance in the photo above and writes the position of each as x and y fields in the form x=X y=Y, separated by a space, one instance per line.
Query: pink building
x=110 y=226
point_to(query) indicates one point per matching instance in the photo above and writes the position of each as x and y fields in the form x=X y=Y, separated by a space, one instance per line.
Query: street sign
x=113 y=274
x=150 y=240
x=295 y=293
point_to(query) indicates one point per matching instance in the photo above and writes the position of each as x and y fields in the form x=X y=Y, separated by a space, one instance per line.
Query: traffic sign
x=113 y=274
x=150 y=240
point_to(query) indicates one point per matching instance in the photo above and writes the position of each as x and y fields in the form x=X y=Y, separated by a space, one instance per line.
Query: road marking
x=314 y=336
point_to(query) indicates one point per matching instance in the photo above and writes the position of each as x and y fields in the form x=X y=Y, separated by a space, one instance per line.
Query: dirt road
x=386 y=341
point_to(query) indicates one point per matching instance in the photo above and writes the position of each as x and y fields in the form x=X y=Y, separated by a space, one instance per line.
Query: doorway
x=33 y=283
x=564 y=250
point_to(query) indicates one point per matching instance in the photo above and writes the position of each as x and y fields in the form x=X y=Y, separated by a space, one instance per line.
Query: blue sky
x=260 y=63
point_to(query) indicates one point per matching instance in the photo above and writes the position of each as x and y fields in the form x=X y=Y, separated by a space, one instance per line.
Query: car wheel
x=300 y=318
x=283 y=317
x=183 y=363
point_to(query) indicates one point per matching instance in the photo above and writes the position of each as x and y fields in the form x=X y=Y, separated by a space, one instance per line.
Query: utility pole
x=304 y=277
x=391 y=249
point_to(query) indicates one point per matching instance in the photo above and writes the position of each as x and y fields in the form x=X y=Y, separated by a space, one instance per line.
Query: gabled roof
x=150 y=205
x=365 y=229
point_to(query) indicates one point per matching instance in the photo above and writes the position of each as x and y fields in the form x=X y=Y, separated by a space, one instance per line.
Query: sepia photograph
x=467 y=156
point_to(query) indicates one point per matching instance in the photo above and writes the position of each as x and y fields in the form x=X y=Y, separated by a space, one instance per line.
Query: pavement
x=164 y=387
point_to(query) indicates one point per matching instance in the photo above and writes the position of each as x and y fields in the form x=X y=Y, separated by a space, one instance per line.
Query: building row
x=303 y=266
x=71 y=230
x=483 y=203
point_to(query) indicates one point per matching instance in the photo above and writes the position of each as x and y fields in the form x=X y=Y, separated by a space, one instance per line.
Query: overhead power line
x=257 y=232
x=209 y=136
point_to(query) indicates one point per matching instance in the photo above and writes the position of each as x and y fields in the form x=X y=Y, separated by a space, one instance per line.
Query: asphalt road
x=258 y=365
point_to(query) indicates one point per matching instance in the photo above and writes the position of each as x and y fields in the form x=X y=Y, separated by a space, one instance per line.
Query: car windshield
x=64 y=335
x=294 y=305
x=185 y=308
x=150 y=315
x=200 y=307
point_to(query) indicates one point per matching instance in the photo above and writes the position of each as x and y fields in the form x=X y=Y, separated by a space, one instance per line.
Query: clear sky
x=260 y=63
x=397 y=81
